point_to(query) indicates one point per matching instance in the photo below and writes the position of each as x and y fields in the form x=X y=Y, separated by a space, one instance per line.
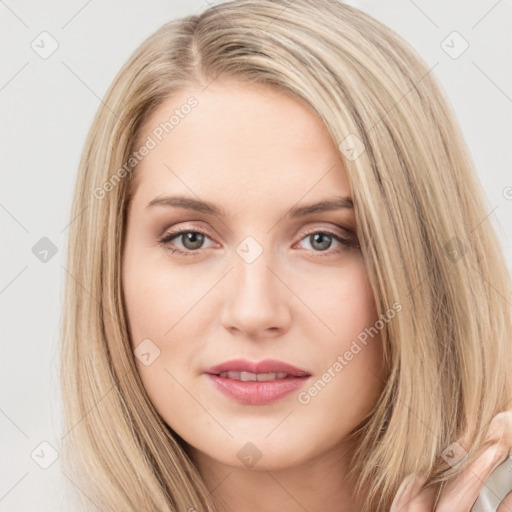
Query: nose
x=256 y=300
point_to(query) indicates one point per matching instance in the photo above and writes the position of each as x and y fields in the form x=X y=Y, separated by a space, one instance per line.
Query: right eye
x=191 y=240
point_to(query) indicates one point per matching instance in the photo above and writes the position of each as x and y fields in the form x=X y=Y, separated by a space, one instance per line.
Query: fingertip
x=500 y=428
x=409 y=488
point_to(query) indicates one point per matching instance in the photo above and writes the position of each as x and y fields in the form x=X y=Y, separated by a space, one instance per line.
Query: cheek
x=157 y=302
x=351 y=373
x=165 y=313
x=157 y=299
x=343 y=300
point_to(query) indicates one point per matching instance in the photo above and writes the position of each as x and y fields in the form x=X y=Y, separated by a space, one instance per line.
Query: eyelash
x=167 y=237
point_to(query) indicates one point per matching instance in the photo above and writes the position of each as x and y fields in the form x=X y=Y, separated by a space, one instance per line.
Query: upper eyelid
x=195 y=229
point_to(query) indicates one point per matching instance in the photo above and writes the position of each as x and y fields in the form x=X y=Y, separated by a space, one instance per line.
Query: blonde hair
x=422 y=225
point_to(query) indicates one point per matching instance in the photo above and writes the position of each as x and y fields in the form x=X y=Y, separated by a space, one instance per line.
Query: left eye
x=320 y=241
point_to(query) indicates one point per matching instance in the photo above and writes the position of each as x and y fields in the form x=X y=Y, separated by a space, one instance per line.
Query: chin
x=261 y=454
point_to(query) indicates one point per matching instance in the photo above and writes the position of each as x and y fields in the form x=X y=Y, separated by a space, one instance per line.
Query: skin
x=255 y=152
x=461 y=492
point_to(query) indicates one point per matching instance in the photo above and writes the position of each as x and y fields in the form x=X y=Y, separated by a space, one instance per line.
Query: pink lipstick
x=257 y=383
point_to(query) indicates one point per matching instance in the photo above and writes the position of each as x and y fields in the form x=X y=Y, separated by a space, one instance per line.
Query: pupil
x=193 y=240
x=323 y=239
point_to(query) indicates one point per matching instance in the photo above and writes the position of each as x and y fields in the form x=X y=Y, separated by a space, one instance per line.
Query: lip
x=265 y=366
x=257 y=392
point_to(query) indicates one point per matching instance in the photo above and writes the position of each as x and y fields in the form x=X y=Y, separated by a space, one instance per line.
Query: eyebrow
x=188 y=203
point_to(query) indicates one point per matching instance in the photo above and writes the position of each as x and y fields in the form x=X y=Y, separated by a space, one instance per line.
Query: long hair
x=422 y=224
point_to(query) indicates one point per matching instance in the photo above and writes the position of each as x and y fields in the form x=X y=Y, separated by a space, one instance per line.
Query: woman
x=284 y=294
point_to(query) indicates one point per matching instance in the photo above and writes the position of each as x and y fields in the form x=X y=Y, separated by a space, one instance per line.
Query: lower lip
x=259 y=392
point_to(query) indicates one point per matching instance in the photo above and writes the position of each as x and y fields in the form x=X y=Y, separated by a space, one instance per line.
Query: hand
x=461 y=493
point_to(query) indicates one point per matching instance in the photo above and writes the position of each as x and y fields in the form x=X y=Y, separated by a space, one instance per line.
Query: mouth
x=255 y=377
x=245 y=370
x=257 y=383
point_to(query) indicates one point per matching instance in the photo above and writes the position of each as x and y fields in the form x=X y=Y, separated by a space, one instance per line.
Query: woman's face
x=255 y=275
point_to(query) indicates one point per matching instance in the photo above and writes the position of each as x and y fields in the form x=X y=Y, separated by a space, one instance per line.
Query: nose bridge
x=254 y=279
x=255 y=301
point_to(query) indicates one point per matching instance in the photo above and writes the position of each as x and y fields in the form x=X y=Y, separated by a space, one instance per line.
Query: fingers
x=411 y=498
x=500 y=428
x=461 y=493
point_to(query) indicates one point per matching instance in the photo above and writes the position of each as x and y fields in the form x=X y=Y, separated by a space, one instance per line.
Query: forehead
x=245 y=137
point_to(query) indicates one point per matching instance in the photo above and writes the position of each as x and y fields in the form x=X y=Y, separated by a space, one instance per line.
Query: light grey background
x=47 y=105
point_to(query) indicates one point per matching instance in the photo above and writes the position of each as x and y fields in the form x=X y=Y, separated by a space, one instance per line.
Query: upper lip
x=265 y=366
